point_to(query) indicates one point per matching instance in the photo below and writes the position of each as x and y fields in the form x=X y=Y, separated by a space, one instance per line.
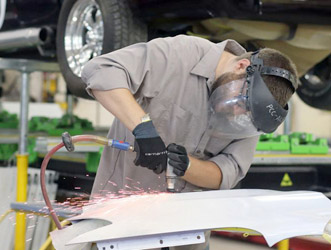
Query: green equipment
x=92 y=160
x=295 y=143
x=271 y=142
x=8 y=120
x=55 y=127
x=305 y=143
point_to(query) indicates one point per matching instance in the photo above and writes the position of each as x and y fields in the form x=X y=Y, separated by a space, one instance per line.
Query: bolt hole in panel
x=154 y=241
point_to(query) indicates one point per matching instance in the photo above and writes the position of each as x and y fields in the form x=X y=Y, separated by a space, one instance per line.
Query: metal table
x=284 y=157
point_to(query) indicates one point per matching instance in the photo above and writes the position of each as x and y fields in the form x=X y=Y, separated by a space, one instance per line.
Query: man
x=195 y=96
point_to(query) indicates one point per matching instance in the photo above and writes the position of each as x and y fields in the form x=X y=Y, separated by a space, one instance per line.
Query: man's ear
x=241 y=66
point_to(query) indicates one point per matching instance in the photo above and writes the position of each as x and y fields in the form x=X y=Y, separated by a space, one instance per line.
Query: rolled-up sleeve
x=235 y=161
x=119 y=77
x=124 y=68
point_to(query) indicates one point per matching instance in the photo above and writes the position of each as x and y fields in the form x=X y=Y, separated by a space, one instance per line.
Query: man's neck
x=223 y=63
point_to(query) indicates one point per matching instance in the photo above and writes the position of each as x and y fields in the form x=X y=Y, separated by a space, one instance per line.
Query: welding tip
x=170 y=178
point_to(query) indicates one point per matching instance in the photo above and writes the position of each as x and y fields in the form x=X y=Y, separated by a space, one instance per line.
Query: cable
x=68 y=142
x=48 y=240
x=43 y=185
x=3 y=216
x=44 y=166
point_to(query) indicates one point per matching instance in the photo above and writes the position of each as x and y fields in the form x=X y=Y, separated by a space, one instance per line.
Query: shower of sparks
x=73 y=206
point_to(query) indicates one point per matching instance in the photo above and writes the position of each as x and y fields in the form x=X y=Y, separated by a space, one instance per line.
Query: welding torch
x=68 y=142
x=170 y=175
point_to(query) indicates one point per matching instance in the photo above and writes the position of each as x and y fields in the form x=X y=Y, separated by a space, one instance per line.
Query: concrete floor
x=223 y=243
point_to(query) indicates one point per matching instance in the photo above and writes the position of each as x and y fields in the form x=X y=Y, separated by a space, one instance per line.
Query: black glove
x=151 y=150
x=178 y=158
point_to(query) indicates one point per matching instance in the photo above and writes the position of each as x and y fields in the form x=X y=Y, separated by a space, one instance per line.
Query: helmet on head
x=246 y=107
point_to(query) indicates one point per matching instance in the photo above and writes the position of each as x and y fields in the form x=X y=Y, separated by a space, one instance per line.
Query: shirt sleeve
x=138 y=66
x=235 y=161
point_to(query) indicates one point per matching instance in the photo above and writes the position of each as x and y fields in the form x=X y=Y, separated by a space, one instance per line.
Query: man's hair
x=280 y=88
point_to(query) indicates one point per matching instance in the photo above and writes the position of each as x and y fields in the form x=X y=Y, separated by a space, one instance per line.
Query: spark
x=113 y=183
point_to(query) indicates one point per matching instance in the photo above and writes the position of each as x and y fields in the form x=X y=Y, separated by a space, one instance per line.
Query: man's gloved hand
x=151 y=150
x=178 y=158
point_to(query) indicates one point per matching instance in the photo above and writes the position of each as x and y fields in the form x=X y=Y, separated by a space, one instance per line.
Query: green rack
x=271 y=142
x=56 y=126
x=8 y=120
x=7 y=151
x=305 y=143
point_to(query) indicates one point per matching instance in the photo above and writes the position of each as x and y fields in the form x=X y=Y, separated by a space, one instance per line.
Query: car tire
x=315 y=87
x=122 y=29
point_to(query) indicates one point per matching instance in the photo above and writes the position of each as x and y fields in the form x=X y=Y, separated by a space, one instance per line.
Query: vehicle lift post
x=25 y=67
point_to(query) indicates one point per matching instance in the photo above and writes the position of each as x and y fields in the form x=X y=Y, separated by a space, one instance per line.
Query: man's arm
x=222 y=171
x=200 y=173
x=204 y=174
x=121 y=103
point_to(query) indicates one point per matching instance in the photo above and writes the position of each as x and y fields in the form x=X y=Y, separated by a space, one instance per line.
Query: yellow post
x=283 y=245
x=21 y=195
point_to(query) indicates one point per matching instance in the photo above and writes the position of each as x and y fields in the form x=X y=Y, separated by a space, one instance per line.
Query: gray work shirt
x=171 y=79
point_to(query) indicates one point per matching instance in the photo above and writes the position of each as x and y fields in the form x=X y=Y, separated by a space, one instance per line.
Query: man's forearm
x=204 y=174
x=121 y=103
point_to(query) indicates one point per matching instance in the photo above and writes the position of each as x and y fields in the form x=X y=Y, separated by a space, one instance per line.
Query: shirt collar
x=206 y=67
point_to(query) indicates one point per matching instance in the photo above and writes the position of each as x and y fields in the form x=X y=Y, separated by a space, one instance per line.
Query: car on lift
x=74 y=31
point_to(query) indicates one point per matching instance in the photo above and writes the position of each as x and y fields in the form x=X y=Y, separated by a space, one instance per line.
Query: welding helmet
x=245 y=107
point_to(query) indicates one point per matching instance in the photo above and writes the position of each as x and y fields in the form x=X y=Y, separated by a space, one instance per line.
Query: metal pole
x=22 y=163
x=70 y=100
x=288 y=119
x=24 y=113
x=70 y=108
x=283 y=245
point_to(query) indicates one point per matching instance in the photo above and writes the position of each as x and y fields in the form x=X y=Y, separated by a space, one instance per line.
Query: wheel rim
x=83 y=38
x=314 y=82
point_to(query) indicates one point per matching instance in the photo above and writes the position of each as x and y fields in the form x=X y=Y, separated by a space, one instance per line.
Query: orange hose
x=78 y=138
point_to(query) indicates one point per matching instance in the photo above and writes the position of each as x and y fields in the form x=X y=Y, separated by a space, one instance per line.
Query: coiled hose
x=68 y=142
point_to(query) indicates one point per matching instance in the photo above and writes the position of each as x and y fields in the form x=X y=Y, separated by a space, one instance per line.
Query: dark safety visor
x=267 y=114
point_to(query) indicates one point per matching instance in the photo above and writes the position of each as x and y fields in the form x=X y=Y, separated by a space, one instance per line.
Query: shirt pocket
x=176 y=125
